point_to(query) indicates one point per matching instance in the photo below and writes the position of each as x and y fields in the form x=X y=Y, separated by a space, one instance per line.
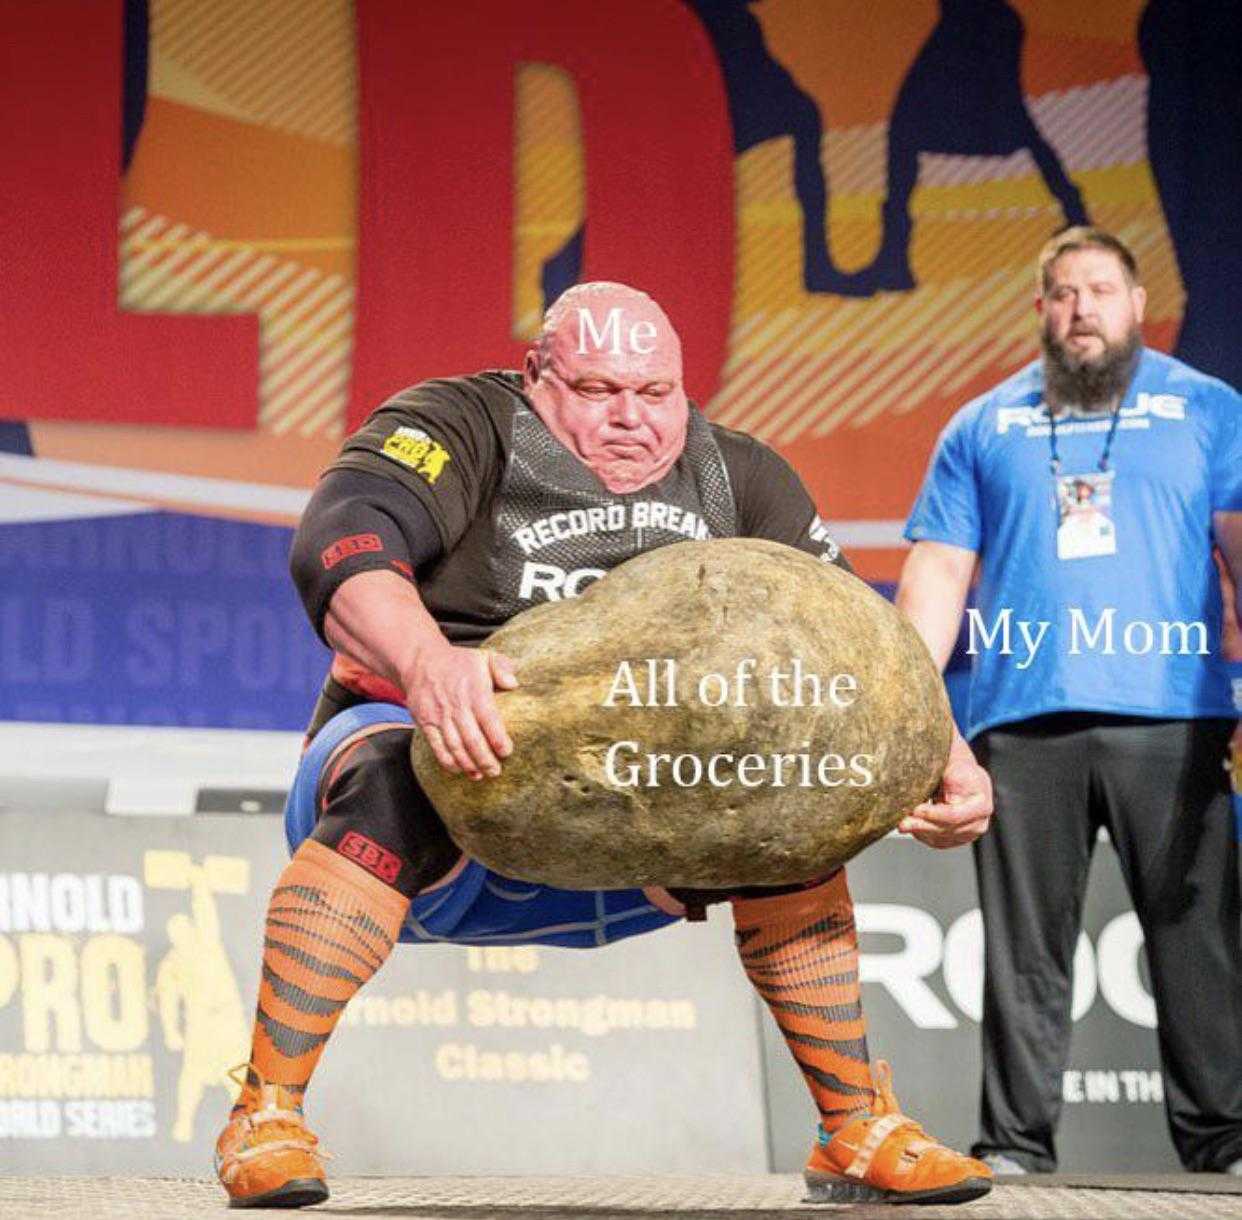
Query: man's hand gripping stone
x=450 y=692
x=962 y=809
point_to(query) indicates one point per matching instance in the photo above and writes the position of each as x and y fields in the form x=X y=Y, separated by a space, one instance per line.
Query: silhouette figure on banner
x=963 y=96
x=1192 y=50
x=764 y=102
x=564 y=269
x=136 y=52
x=200 y=1005
x=15 y=433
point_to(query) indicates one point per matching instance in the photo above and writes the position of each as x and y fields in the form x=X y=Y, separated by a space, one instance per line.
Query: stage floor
x=1183 y=1197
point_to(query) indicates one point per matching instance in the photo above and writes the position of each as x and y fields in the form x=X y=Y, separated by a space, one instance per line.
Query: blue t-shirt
x=1141 y=544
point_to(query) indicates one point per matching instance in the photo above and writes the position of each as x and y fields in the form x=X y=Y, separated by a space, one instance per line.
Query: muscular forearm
x=379 y=620
x=1227 y=528
x=932 y=594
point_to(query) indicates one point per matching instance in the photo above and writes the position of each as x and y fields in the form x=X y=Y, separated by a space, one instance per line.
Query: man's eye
x=655 y=392
x=593 y=391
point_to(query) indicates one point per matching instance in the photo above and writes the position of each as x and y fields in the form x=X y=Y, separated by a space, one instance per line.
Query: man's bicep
x=357 y=521
x=1225 y=453
x=450 y=509
x=955 y=565
x=1227 y=527
x=438 y=442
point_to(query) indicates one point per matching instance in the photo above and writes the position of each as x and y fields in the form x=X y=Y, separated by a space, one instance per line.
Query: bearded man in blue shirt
x=1089 y=490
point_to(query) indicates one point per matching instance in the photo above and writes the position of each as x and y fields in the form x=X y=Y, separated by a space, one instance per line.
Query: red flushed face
x=606 y=379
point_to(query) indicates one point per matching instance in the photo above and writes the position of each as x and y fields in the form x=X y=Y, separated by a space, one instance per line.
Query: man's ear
x=530 y=367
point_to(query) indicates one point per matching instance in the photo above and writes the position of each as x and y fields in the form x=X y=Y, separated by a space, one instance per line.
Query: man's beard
x=1092 y=384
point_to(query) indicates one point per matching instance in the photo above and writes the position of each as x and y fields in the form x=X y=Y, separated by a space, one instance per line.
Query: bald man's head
x=605 y=376
x=635 y=323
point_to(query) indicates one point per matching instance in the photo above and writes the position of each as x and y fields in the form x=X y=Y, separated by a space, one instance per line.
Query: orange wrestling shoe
x=265 y=1156
x=888 y=1158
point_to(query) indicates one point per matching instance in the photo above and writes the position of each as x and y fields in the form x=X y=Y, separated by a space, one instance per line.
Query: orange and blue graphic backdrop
x=232 y=228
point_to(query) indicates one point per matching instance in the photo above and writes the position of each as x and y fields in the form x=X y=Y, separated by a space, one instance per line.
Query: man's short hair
x=1083 y=237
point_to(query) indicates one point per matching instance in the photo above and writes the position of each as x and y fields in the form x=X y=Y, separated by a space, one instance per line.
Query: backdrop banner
x=129 y=957
x=129 y=952
x=227 y=235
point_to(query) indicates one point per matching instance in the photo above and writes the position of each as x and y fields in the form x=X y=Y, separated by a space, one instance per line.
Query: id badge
x=1085 y=525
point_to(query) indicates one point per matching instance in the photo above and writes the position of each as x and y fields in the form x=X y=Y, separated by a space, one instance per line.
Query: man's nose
x=1084 y=304
x=626 y=411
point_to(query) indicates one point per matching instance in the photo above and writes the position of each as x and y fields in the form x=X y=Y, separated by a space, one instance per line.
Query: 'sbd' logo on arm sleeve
x=343 y=548
x=413 y=447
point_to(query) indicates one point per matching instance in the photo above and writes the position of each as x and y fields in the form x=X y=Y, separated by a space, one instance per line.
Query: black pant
x=1159 y=788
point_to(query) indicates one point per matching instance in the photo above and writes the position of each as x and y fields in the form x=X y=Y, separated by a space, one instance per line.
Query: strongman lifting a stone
x=460 y=503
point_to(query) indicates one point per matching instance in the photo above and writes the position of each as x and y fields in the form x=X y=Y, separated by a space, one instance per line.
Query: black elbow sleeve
x=357 y=522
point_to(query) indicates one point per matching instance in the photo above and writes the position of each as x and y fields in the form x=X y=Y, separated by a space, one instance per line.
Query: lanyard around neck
x=1054 y=461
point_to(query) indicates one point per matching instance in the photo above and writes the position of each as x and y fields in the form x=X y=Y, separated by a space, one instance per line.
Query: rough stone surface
x=555 y=817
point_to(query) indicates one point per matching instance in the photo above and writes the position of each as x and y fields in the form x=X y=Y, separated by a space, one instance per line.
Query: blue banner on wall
x=154 y=618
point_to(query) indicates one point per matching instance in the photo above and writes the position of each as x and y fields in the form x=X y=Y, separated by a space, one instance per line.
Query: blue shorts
x=478 y=907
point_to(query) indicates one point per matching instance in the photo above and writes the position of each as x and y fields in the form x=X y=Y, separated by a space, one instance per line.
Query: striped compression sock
x=801 y=953
x=330 y=926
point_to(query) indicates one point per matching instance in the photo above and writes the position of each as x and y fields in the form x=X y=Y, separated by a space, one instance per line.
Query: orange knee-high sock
x=330 y=926
x=801 y=953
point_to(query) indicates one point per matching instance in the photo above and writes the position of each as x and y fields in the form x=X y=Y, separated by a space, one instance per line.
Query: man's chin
x=1089 y=377
x=623 y=475
x=1082 y=352
x=622 y=483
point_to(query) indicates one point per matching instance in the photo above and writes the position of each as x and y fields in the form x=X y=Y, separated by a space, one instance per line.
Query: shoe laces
x=885 y=1099
x=915 y=1140
x=269 y=1122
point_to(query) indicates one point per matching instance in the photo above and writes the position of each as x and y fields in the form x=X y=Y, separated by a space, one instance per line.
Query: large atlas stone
x=565 y=811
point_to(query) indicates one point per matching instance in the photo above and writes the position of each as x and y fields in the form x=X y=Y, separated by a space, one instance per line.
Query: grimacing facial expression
x=1089 y=307
x=608 y=384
